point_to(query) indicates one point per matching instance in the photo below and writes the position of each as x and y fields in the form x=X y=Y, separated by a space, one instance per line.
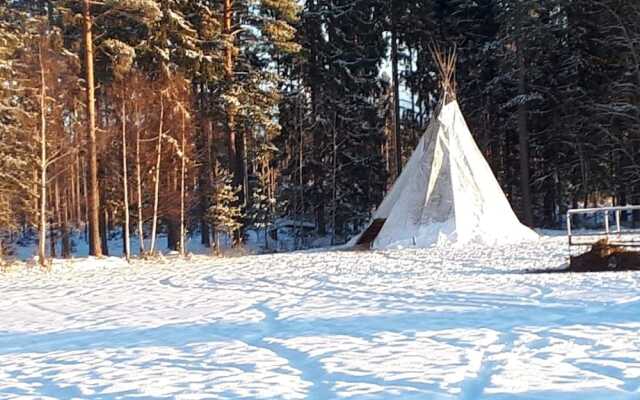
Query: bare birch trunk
x=139 y=189
x=125 y=179
x=156 y=195
x=95 y=245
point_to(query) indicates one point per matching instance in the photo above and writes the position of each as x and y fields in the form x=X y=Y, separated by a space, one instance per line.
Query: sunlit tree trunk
x=156 y=195
x=42 y=237
x=182 y=191
x=125 y=179
x=95 y=247
x=139 y=194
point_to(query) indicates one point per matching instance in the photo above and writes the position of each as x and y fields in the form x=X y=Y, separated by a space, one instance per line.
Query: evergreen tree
x=262 y=207
x=345 y=132
x=17 y=149
x=250 y=90
x=225 y=214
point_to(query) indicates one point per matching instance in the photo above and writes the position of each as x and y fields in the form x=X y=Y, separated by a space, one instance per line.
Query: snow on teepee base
x=447 y=192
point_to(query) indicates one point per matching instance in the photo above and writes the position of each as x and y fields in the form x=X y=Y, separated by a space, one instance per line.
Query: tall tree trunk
x=125 y=179
x=205 y=181
x=43 y=162
x=55 y=229
x=396 y=93
x=156 y=195
x=95 y=246
x=317 y=131
x=227 y=26
x=182 y=191
x=523 y=141
x=78 y=179
x=244 y=169
x=104 y=231
x=72 y=186
x=66 y=240
x=235 y=143
x=334 y=188
x=52 y=239
x=300 y=169
x=139 y=195
x=173 y=231
x=214 y=180
x=86 y=200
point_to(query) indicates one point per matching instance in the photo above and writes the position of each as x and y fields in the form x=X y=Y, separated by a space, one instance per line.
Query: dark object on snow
x=604 y=256
x=368 y=236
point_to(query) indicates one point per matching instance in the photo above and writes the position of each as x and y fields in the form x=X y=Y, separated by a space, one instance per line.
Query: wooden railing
x=618 y=235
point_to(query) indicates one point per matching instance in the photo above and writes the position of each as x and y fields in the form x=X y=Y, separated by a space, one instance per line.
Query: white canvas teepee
x=446 y=193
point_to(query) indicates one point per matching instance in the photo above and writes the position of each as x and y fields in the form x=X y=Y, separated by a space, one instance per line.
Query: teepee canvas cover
x=446 y=193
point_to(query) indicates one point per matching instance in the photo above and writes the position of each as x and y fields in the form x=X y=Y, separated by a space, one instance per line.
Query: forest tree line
x=217 y=117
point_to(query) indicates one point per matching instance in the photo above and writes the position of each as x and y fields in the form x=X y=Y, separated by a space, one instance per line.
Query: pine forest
x=221 y=121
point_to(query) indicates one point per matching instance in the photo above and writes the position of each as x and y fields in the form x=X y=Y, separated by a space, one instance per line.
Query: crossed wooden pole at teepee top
x=446 y=61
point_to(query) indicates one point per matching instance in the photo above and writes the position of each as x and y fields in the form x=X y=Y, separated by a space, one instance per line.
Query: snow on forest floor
x=439 y=323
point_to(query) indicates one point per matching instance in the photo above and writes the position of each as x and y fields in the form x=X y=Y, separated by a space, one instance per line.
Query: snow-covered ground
x=440 y=323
